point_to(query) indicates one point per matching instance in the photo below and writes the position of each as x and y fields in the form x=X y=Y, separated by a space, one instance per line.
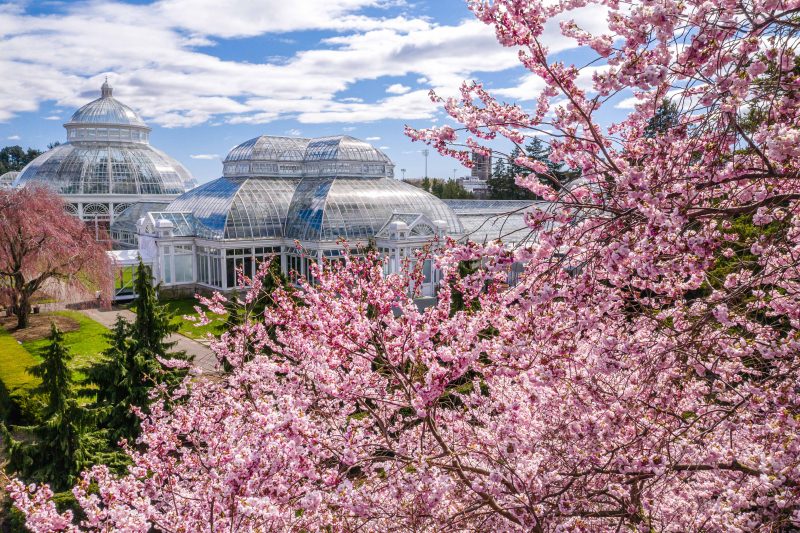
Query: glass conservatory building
x=291 y=197
x=107 y=164
x=7 y=179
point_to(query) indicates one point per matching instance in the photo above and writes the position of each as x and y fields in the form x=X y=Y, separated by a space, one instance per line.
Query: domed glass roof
x=7 y=179
x=238 y=208
x=338 y=156
x=136 y=169
x=107 y=153
x=106 y=110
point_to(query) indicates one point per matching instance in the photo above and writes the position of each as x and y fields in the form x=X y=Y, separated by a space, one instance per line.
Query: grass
x=14 y=360
x=185 y=307
x=181 y=307
x=86 y=344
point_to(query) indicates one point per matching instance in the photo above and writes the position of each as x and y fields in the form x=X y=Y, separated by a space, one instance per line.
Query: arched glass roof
x=352 y=208
x=269 y=148
x=7 y=179
x=321 y=209
x=344 y=148
x=239 y=208
x=135 y=169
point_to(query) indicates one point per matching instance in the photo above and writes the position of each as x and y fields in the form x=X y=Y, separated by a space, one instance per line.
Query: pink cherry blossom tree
x=41 y=243
x=642 y=375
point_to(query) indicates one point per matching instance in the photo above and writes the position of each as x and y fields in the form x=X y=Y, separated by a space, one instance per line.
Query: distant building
x=481 y=166
x=478 y=187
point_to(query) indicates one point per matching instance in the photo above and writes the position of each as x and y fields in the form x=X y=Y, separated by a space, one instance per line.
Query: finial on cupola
x=105 y=89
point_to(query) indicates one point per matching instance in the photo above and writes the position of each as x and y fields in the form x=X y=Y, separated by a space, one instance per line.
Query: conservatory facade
x=107 y=164
x=294 y=198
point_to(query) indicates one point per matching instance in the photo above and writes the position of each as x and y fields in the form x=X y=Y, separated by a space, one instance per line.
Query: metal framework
x=107 y=160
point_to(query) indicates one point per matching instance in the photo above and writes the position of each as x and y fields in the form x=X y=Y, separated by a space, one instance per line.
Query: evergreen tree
x=131 y=365
x=437 y=188
x=502 y=184
x=60 y=445
x=426 y=183
x=56 y=385
x=666 y=117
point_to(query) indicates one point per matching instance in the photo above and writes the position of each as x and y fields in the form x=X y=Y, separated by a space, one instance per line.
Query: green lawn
x=14 y=359
x=86 y=344
x=181 y=307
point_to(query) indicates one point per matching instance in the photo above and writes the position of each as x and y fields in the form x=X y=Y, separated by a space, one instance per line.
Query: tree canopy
x=14 y=158
x=640 y=376
x=41 y=243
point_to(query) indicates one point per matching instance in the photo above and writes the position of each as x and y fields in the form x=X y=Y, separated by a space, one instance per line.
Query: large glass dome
x=107 y=163
x=306 y=189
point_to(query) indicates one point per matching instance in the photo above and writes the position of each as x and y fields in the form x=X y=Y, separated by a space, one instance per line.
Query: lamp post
x=425 y=153
x=404 y=173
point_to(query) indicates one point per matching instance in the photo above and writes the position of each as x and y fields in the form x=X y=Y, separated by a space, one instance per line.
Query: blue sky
x=207 y=77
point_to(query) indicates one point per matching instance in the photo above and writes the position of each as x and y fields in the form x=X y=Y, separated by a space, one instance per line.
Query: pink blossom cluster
x=641 y=375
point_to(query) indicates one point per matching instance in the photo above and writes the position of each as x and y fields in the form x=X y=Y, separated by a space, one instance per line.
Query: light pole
x=404 y=173
x=425 y=153
x=454 y=174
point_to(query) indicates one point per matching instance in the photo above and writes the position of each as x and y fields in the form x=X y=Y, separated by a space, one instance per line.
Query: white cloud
x=384 y=148
x=205 y=157
x=397 y=88
x=150 y=53
x=294 y=132
x=13 y=137
x=52 y=117
x=531 y=85
x=372 y=139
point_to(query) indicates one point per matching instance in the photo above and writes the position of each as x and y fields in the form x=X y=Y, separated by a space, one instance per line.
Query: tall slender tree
x=135 y=361
x=60 y=445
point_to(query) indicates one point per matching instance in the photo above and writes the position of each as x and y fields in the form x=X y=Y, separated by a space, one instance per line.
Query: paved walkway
x=203 y=356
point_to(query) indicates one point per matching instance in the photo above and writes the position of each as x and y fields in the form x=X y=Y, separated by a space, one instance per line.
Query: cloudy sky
x=207 y=77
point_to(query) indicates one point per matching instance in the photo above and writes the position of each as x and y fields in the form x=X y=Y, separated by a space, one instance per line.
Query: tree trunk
x=22 y=309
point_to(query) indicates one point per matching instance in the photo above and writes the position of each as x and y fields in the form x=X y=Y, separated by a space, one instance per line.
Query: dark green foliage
x=448 y=190
x=54 y=373
x=457 y=302
x=14 y=158
x=56 y=448
x=665 y=118
x=445 y=189
x=130 y=366
x=502 y=183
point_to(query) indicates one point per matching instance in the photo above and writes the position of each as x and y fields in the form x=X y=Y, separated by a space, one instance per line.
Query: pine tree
x=132 y=365
x=56 y=385
x=61 y=444
x=666 y=117
x=502 y=184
